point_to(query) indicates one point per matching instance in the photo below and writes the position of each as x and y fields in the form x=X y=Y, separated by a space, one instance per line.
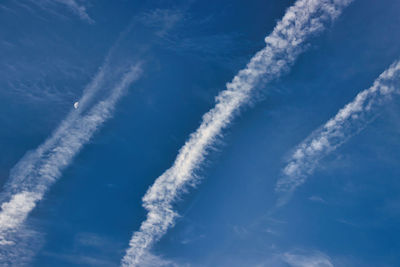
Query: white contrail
x=283 y=45
x=347 y=122
x=105 y=78
x=25 y=167
x=39 y=169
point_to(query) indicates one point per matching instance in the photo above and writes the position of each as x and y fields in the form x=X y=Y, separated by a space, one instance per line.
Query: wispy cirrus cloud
x=87 y=249
x=39 y=169
x=301 y=21
x=32 y=176
x=74 y=6
x=78 y=9
x=346 y=123
x=162 y=20
x=302 y=259
x=25 y=244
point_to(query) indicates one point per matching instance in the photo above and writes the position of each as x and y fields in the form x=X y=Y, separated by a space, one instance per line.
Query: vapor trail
x=283 y=45
x=105 y=75
x=39 y=169
x=346 y=123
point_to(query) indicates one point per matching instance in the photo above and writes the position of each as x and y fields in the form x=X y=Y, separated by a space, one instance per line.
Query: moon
x=76 y=105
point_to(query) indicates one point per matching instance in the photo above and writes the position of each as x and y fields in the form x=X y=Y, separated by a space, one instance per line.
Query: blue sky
x=148 y=71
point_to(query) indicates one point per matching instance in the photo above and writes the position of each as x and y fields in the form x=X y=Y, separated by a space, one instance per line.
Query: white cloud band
x=33 y=175
x=347 y=122
x=283 y=45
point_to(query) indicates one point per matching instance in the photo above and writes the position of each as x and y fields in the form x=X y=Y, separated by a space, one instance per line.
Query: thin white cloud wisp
x=288 y=39
x=314 y=259
x=39 y=169
x=79 y=10
x=346 y=123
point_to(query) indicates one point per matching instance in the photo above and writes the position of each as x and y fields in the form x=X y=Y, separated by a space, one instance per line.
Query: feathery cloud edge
x=346 y=123
x=39 y=169
x=304 y=19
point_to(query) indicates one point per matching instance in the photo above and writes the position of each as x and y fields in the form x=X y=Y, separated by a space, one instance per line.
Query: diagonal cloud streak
x=72 y=5
x=33 y=175
x=288 y=39
x=347 y=122
x=39 y=169
x=25 y=167
x=310 y=259
x=79 y=10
